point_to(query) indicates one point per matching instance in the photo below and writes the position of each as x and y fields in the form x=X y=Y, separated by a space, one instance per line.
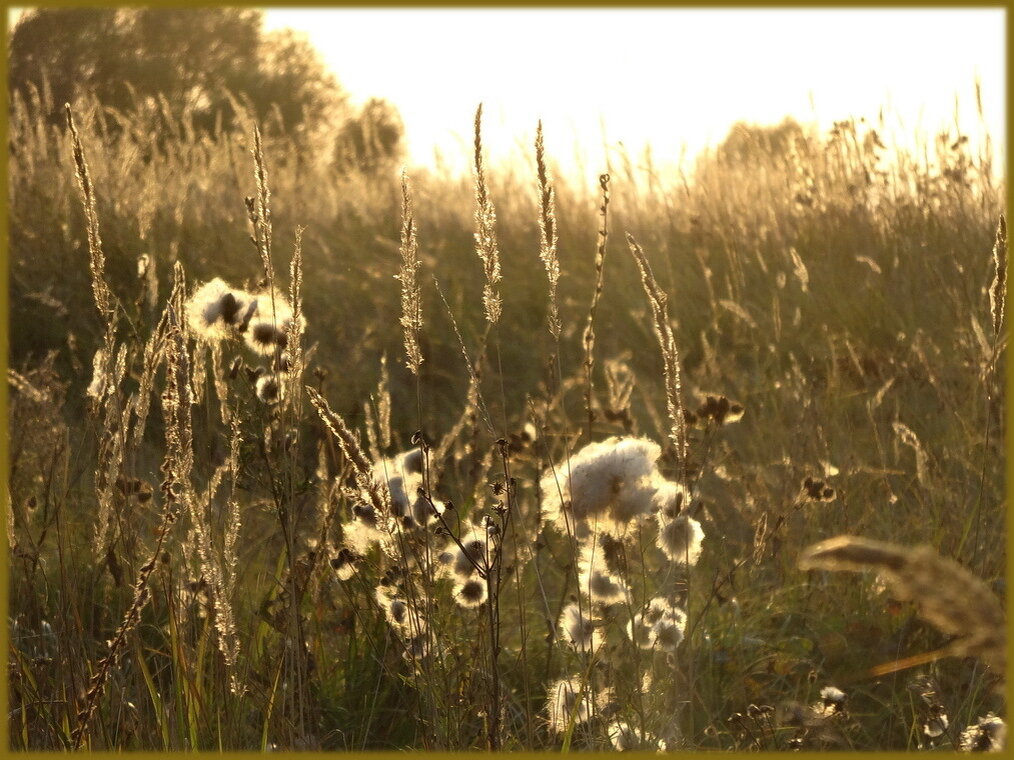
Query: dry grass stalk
x=485 y=232
x=294 y=328
x=261 y=209
x=175 y=400
x=949 y=597
x=104 y=299
x=110 y=364
x=233 y=522
x=150 y=362
x=378 y=414
x=411 y=294
x=468 y=414
x=588 y=338
x=180 y=450
x=472 y=367
x=362 y=470
x=23 y=386
x=670 y=354
x=547 y=232
x=383 y=402
x=998 y=288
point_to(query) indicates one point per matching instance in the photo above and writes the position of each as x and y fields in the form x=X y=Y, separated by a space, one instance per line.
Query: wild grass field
x=301 y=459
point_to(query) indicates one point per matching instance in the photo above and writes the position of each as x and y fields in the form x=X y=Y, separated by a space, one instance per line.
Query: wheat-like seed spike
x=294 y=329
x=485 y=232
x=588 y=339
x=179 y=443
x=97 y=260
x=262 y=222
x=670 y=354
x=361 y=469
x=998 y=288
x=950 y=598
x=852 y=553
x=411 y=295
x=547 y=232
x=384 y=405
x=174 y=399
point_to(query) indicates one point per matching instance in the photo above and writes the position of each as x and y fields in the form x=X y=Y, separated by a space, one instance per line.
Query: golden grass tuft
x=949 y=597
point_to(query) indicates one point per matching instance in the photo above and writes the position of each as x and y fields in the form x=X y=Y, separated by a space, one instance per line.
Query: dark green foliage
x=184 y=61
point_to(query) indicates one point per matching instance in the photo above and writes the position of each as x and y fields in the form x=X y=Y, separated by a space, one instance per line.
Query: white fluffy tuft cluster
x=660 y=626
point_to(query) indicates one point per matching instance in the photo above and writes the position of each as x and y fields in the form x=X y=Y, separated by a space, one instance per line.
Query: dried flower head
x=609 y=485
x=660 y=625
x=269 y=389
x=817 y=490
x=718 y=410
x=470 y=592
x=268 y=327
x=215 y=309
x=988 y=735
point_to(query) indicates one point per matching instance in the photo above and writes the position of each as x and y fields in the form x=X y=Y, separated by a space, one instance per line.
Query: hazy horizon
x=642 y=89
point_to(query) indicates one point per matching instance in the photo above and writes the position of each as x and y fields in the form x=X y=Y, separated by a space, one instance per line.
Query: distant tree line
x=197 y=64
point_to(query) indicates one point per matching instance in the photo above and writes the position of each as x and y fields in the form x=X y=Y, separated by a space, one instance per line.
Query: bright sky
x=673 y=78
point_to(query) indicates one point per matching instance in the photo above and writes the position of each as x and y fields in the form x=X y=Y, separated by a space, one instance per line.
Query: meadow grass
x=429 y=464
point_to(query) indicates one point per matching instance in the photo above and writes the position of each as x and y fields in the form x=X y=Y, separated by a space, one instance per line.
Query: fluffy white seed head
x=269 y=389
x=680 y=539
x=210 y=310
x=268 y=325
x=395 y=609
x=625 y=738
x=832 y=702
x=579 y=628
x=404 y=478
x=659 y=626
x=594 y=578
x=473 y=551
x=670 y=498
x=935 y=725
x=608 y=485
x=362 y=532
x=470 y=592
x=565 y=702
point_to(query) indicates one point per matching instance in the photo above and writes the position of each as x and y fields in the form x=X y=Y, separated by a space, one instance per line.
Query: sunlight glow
x=676 y=79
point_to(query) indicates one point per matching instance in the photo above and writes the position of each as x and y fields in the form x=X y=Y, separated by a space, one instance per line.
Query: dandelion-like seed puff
x=565 y=702
x=217 y=310
x=609 y=485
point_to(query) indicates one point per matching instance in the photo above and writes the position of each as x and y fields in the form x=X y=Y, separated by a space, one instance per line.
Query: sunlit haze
x=676 y=79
